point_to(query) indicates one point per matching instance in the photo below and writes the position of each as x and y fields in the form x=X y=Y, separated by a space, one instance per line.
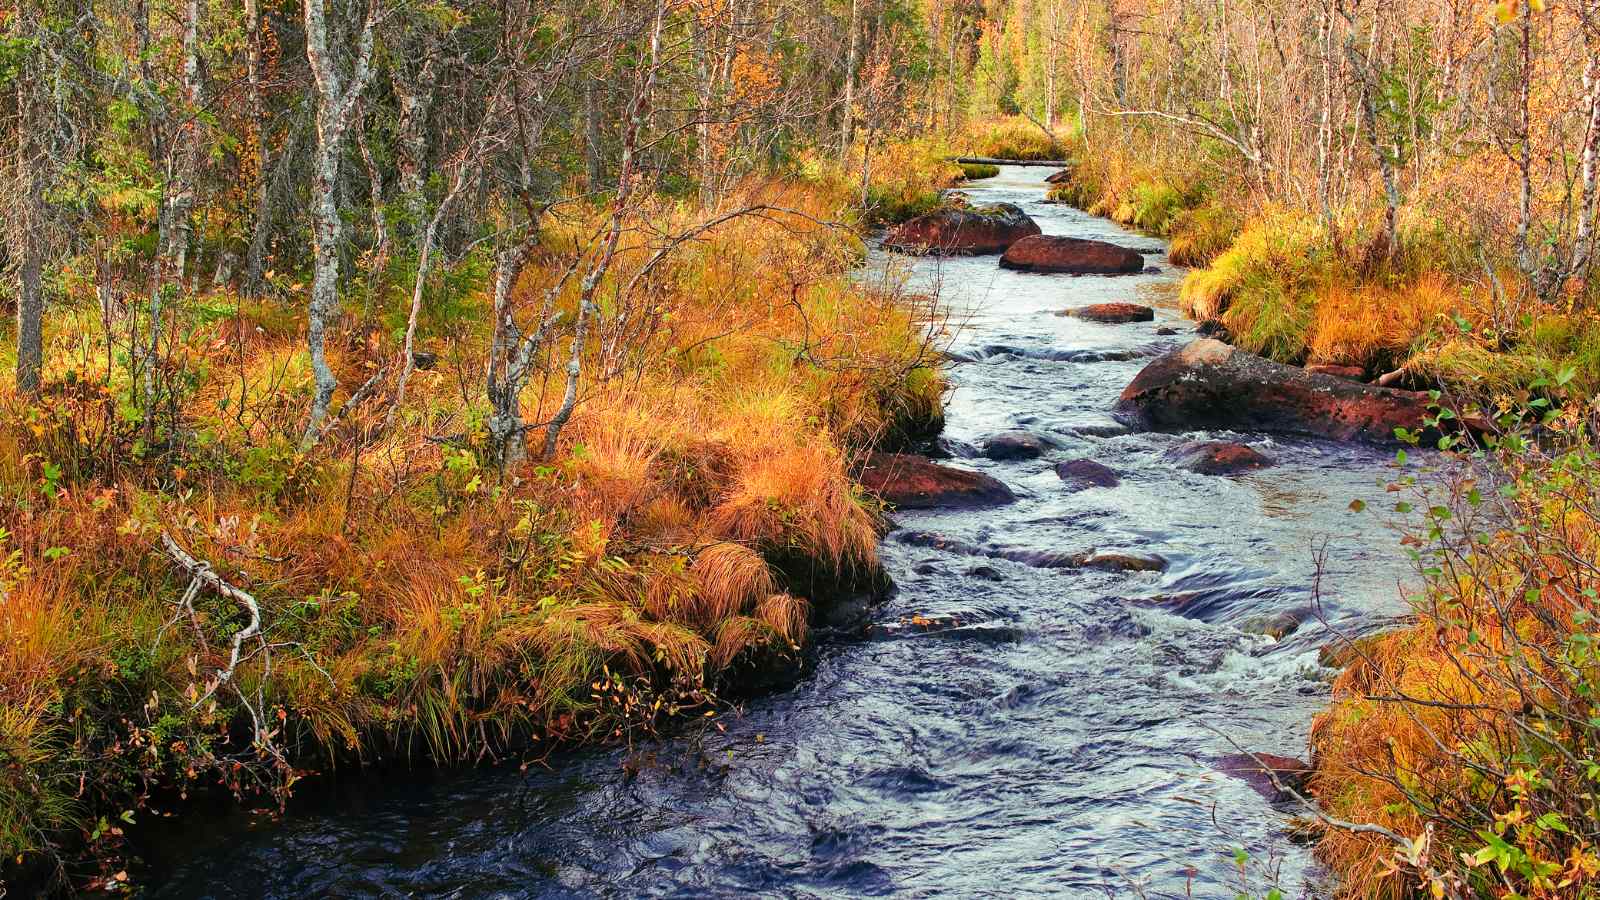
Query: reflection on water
x=1053 y=736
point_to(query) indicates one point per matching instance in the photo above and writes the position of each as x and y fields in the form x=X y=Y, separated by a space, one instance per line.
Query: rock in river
x=1070 y=256
x=1266 y=772
x=1218 y=457
x=1208 y=384
x=1112 y=313
x=961 y=229
x=1015 y=445
x=1082 y=474
x=912 y=482
x=1125 y=561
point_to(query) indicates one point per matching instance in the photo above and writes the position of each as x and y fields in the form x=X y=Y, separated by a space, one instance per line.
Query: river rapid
x=1049 y=732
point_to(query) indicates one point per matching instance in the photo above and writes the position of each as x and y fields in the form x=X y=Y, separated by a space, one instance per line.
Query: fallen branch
x=996 y=161
x=201 y=574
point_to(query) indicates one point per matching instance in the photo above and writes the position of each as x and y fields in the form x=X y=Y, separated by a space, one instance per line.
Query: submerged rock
x=1260 y=770
x=1070 y=256
x=912 y=482
x=1166 y=330
x=987 y=573
x=1125 y=561
x=1082 y=474
x=1277 y=626
x=1208 y=384
x=1008 y=445
x=1112 y=313
x=1218 y=457
x=960 y=229
x=1039 y=559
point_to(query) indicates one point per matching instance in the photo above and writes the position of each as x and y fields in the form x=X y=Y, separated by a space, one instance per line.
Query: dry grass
x=1378 y=329
x=1013 y=137
x=418 y=600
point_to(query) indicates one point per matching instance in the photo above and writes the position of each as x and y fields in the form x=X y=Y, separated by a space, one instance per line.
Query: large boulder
x=1208 y=384
x=1112 y=313
x=912 y=482
x=1050 y=253
x=959 y=228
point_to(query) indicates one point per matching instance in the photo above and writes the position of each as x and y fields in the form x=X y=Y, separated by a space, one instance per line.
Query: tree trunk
x=1525 y=150
x=258 y=115
x=30 y=288
x=335 y=103
x=593 y=166
x=852 y=61
x=30 y=296
x=414 y=89
x=1584 y=238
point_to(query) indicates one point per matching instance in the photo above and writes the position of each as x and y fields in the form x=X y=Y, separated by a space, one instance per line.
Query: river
x=1054 y=732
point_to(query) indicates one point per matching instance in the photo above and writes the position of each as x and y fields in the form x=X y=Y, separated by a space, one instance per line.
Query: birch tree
x=335 y=94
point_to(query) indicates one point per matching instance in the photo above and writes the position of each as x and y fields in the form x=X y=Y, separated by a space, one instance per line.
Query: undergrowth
x=413 y=598
x=1468 y=742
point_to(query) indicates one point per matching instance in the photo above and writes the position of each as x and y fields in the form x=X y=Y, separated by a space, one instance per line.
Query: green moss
x=978 y=171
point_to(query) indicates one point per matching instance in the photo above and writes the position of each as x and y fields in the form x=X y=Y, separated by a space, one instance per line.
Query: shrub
x=978 y=171
x=1471 y=737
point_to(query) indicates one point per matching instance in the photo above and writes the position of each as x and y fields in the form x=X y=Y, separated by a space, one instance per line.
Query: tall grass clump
x=1011 y=137
x=1468 y=741
x=1263 y=288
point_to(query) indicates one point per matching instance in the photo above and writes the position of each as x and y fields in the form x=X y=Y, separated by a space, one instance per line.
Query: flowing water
x=1051 y=732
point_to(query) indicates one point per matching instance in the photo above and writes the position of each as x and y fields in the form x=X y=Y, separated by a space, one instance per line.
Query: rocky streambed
x=1047 y=705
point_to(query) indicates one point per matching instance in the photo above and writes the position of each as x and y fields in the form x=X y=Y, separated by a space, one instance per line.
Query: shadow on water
x=1010 y=728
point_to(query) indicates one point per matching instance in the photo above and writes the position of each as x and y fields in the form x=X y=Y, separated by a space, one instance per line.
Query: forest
x=405 y=384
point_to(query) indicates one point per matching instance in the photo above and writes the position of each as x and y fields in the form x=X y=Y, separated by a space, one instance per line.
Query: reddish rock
x=1208 y=384
x=1082 y=474
x=1354 y=373
x=1265 y=772
x=912 y=482
x=1070 y=256
x=1058 y=176
x=960 y=229
x=1112 y=313
x=1218 y=457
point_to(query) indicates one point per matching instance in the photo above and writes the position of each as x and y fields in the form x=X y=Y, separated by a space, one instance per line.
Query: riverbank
x=220 y=608
x=1453 y=748
x=1007 y=710
x=1444 y=307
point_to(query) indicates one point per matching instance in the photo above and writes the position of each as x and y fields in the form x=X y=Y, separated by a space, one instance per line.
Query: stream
x=1054 y=732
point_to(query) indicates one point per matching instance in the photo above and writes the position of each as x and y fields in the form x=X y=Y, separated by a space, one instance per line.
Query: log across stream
x=1005 y=728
